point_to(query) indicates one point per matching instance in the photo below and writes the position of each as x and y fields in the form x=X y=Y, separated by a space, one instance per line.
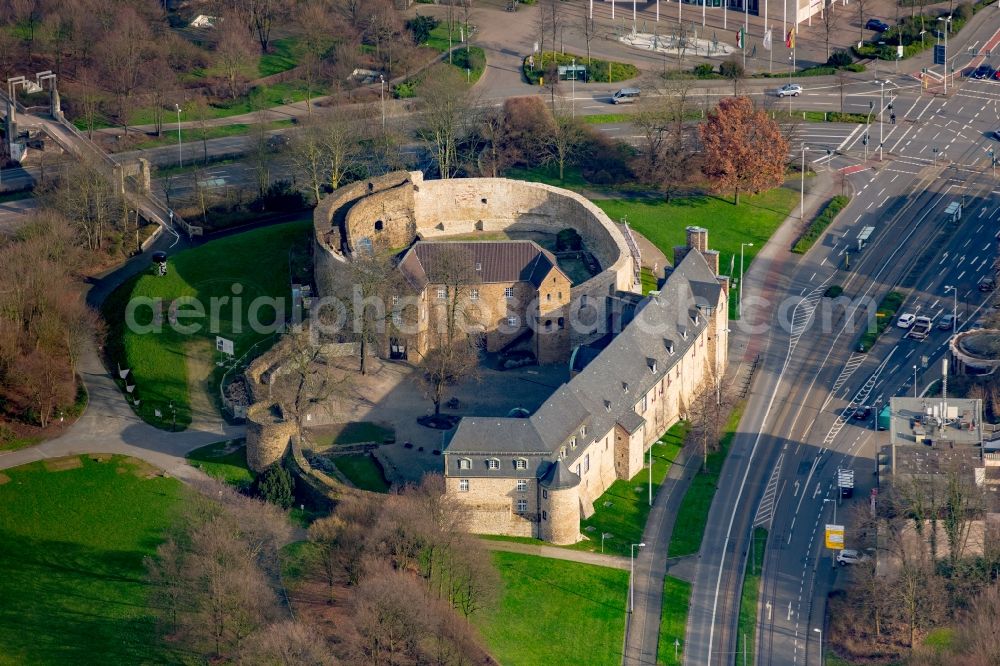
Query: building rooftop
x=476 y=262
x=935 y=422
x=606 y=391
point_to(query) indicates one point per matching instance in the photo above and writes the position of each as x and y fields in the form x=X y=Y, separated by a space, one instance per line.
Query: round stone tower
x=268 y=435
x=560 y=502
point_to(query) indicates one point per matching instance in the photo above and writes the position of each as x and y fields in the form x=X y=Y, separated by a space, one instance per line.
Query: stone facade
x=598 y=427
x=268 y=436
x=397 y=209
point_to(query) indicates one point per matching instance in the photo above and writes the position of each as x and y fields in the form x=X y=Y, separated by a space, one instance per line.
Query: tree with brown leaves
x=744 y=148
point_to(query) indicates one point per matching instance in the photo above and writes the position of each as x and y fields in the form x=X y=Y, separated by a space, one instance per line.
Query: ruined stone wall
x=267 y=436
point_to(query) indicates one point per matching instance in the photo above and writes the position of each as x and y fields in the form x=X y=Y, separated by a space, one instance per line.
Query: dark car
x=876 y=25
x=863 y=413
x=984 y=71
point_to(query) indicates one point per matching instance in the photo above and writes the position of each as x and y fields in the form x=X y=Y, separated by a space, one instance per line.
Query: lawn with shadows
x=253 y=266
x=73 y=534
x=363 y=471
x=622 y=510
x=225 y=461
x=555 y=612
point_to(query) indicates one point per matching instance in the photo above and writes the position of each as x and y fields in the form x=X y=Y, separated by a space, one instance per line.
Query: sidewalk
x=557 y=553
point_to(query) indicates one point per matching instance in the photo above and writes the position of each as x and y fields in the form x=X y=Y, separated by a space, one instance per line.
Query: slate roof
x=437 y=262
x=558 y=477
x=606 y=391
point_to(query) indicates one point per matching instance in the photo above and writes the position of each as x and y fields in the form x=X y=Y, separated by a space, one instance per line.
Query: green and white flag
x=741 y=39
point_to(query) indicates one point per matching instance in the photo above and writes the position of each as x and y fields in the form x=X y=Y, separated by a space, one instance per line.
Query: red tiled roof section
x=440 y=262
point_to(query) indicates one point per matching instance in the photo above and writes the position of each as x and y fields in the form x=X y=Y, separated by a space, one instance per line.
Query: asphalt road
x=794 y=437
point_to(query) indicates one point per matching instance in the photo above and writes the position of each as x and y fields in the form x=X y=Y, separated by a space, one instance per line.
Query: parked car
x=851 y=556
x=876 y=25
x=906 y=320
x=863 y=413
x=947 y=322
x=789 y=90
x=984 y=71
x=625 y=96
x=996 y=134
x=987 y=284
x=996 y=75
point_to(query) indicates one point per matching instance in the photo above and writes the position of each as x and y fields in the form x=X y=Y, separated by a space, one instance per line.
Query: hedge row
x=883 y=316
x=597 y=70
x=819 y=225
x=907 y=32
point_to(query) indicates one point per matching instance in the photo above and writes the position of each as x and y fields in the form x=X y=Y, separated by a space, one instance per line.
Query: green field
x=225 y=461
x=625 y=518
x=746 y=636
x=355 y=432
x=254 y=263
x=71 y=549
x=673 y=621
x=363 y=471
x=195 y=136
x=556 y=612
x=753 y=221
x=689 y=526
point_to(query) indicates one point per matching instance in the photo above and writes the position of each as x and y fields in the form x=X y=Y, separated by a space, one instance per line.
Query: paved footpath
x=557 y=553
x=108 y=425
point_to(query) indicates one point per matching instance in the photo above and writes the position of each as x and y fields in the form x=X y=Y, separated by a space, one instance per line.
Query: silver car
x=790 y=90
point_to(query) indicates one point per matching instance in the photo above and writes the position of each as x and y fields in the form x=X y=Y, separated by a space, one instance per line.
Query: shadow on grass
x=526 y=573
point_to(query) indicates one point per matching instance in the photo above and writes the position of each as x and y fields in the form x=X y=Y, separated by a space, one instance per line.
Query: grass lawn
x=690 y=523
x=673 y=620
x=225 y=461
x=649 y=281
x=549 y=175
x=254 y=263
x=284 y=55
x=748 y=599
x=556 y=612
x=624 y=516
x=607 y=118
x=753 y=221
x=355 y=432
x=438 y=39
x=363 y=471
x=193 y=137
x=71 y=549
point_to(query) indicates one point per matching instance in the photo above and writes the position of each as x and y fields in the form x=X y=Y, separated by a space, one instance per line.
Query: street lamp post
x=802 y=192
x=574 y=86
x=740 y=292
x=914 y=380
x=820 y=632
x=180 y=150
x=605 y=535
x=833 y=557
x=954 y=310
x=631 y=578
x=881 y=106
x=947 y=26
x=381 y=89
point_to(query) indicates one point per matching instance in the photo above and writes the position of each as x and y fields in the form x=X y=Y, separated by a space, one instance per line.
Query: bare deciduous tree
x=447 y=116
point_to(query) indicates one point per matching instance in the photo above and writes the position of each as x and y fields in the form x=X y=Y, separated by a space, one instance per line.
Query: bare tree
x=589 y=32
x=374 y=285
x=327 y=534
x=829 y=24
x=447 y=116
x=288 y=643
x=863 y=7
x=308 y=156
x=234 y=54
x=307 y=381
x=339 y=136
x=494 y=129
x=123 y=53
x=449 y=360
x=566 y=139
x=666 y=156
x=259 y=17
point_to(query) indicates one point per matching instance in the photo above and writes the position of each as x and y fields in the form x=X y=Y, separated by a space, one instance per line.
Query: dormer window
x=572 y=442
x=694 y=318
x=583 y=431
x=464 y=463
x=651 y=364
x=669 y=345
x=562 y=453
x=624 y=387
x=607 y=405
x=684 y=333
x=520 y=463
x=492 y=463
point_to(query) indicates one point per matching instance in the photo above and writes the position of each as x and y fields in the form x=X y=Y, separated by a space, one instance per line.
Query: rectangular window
x=545 y=494
x=644 y=403
x=586 y=463
x=520 y=464
x=583 y=431
x=578 y=469
x=395 y=301
x=479 y=266
x=522 y=485
x=442 y=293
x=512 y=321
x=474 y=295
x=545 y=516
x=463 y=485
x=522 y=506
x=572 y=442
x=583 y=301
x=508 y=292
x=492 y=463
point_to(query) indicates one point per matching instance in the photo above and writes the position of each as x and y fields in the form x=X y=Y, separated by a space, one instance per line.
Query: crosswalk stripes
x=802 y=315
x=765 y=510
x=859 y=399
x=845 y=374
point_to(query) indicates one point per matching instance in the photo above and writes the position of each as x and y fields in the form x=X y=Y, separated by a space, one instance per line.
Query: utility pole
x=802 y=192
x=180 y=152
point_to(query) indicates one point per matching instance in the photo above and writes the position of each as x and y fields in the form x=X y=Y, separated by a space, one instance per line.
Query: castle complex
x=636 y=363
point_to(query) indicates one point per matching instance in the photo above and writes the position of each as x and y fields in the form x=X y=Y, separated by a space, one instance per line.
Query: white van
x=625 y=96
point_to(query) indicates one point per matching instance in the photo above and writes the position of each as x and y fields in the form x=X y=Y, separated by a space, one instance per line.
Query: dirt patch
x=4 y=478
x=200 y=365
x=100 y=457
x=62 y=464
x=140 y=468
